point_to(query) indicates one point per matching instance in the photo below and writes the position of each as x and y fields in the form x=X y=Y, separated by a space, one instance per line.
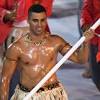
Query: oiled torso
x=36 y=60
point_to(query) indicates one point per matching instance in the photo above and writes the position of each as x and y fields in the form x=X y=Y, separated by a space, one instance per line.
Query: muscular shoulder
x=20 y=41
x=64 y=46
x=58 y=39
x=15 y=49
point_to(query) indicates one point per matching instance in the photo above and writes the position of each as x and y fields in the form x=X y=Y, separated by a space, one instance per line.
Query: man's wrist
x=86 y=44
x=5 y=19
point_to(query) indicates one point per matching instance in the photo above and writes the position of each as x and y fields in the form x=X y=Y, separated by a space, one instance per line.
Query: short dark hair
x=37 y=8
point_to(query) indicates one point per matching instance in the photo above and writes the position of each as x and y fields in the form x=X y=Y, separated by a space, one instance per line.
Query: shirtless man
x=13 y=21
x=35 y=54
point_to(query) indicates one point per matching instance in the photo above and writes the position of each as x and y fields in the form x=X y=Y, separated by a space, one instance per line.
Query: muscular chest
x=38 y=54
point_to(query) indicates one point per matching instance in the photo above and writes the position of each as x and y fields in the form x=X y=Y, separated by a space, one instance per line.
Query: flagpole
x=57 y=66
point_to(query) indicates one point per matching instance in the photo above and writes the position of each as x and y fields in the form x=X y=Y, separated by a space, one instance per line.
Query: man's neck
x=39 y=36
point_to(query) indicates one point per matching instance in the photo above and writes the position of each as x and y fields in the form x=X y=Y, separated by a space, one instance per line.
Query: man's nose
x=39 y=24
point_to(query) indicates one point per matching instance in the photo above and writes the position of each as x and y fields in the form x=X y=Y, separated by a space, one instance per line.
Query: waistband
x=45 y=88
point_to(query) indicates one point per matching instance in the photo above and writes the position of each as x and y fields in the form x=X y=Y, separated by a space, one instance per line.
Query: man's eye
x=43 y=20
x=34 y=20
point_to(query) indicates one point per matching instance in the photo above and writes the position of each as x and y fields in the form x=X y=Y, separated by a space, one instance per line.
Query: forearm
x=4 y=91
x=3 y=12
x=3 y=96
x=81 y=54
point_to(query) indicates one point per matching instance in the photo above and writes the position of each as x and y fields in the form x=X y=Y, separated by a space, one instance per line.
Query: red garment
x=48 y=5
x=90 y=14
x=4 y=32
x=22 y=12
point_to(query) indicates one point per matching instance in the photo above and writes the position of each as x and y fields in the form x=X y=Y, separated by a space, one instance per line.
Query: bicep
x=9 y=67
x=64 y=48
x=10 y=62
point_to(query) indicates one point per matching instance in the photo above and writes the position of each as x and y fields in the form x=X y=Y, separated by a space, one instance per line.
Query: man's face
x=38 y=22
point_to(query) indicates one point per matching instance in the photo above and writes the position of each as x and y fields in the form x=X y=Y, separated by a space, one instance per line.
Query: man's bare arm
x=8 y=70
x=78 y=56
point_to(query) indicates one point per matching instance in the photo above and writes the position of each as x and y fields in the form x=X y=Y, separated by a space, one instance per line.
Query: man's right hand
x=89 y=34
x=10 y=17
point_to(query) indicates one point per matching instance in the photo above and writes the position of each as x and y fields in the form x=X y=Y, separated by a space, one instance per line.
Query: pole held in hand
x=57 y=66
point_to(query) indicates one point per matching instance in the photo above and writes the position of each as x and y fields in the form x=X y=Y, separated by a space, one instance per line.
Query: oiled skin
x=35 y=54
